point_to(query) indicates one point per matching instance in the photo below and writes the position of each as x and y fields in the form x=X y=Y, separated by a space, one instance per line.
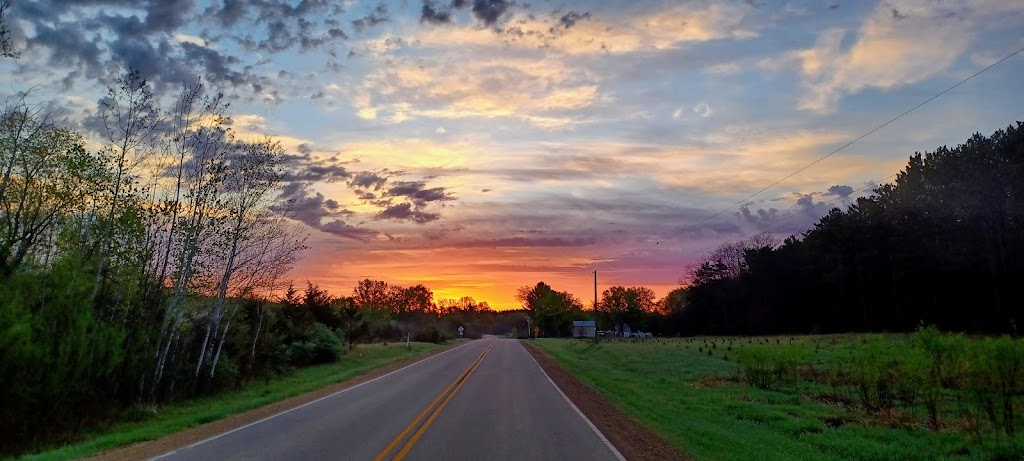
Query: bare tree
x=6 y=41
x=253 y=173
x=130 y=120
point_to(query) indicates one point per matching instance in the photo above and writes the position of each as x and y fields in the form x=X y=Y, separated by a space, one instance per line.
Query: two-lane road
x=486 y=400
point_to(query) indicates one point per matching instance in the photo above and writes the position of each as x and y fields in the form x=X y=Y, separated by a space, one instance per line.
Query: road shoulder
x=635 y=441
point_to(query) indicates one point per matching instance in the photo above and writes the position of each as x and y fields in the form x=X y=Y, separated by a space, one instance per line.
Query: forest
x=943 y=245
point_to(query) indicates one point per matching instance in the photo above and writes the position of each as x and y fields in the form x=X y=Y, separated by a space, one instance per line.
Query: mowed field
x=696 y=393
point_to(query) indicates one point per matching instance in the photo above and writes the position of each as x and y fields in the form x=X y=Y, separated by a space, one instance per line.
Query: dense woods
x=943 y=245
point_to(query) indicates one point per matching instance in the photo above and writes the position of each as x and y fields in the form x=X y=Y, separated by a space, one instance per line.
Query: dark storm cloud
x=405 y=212
x=377 y=16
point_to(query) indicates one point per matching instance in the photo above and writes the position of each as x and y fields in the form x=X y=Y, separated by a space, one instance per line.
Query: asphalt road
x=485 y=400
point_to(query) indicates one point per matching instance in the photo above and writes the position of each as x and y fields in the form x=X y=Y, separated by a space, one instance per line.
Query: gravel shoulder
x=635 y=441
x=151 y=448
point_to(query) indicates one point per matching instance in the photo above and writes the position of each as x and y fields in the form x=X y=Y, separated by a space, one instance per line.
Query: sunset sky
x=476 y=146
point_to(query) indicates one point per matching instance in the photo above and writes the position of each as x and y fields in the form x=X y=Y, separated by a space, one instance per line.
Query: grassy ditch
x=139 y=425
x=839 y=397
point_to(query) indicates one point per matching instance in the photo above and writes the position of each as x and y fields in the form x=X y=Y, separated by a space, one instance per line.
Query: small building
x=584 y=328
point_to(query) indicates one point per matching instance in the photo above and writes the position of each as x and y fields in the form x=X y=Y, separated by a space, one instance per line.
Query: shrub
x=995 y=380
x=936 y=363
x=873 y=371
x=765 y=367
x=326 y=344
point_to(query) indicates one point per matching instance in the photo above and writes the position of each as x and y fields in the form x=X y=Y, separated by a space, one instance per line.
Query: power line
x=844 y=146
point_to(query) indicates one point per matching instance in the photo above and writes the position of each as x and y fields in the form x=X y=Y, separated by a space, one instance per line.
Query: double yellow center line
x=431 y=412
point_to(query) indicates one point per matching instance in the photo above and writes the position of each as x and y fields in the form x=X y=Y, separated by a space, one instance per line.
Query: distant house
x=584 y=328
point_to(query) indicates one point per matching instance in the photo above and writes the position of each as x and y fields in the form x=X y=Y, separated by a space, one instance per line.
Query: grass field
x=186 y=414
x=700 y=402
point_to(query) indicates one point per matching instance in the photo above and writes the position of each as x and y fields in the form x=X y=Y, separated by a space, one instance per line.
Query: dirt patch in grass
x=634 y=440
x=152 y=448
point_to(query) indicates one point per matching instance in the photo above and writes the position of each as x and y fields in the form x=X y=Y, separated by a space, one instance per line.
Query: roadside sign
x=461 y=330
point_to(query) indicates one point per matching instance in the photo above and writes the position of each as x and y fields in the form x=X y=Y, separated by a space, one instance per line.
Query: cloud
x=418 y=192
x=405 y=212
x=430 y=13
x=366 y=179
x=544 y=93
x=571 y=18
x=839 y=190
x=487 y=11
x=312 y=209
x=96 y=40
x=607 y=32
x=901 y=42
x=341 y=229
x=379 y=15
x=702 y=110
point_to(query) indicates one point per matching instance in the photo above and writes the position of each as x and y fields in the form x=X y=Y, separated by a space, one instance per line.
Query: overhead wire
x=850 y=143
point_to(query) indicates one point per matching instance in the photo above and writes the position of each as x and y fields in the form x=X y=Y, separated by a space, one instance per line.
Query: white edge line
x=222 y=434
x=574 y=407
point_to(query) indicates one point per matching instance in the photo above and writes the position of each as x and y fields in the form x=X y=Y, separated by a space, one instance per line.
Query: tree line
x=943 y=245
x=123 y=266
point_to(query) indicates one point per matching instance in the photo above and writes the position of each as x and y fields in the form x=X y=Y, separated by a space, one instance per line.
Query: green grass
x=182 y=415
x=699 y=403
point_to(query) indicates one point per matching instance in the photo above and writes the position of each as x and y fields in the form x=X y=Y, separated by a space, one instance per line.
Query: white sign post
x=461 y=330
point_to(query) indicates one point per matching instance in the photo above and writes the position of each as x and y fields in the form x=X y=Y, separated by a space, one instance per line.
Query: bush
x=994 y=382
x=326 y=344
x=767 y=367
x=873 y=373
x=936 y=363
x=300 y=353
x=429 y=335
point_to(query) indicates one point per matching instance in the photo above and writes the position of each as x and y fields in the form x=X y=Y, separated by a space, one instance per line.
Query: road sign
x=461 y=330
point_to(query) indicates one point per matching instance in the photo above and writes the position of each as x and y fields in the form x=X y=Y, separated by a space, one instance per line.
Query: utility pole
x=595 y=307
